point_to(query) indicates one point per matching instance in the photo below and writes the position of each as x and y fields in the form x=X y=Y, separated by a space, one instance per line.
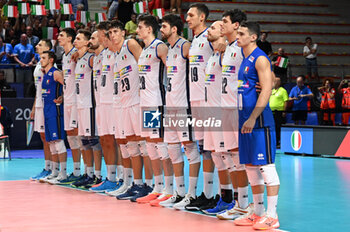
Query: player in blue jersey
x=257 y=142
x=53 y=113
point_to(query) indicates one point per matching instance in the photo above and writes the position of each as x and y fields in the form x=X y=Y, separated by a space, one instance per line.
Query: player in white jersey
x=65 y=39
x=152 y=94
x=86 y=108
x=126 y=101
x=199 y=54
x=177 y=103
x=37 y=113
x=231 y=62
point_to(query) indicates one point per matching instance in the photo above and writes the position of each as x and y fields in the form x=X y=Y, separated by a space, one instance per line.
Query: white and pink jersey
x=83 y=82
x=68 y=68
x=107 y=77
x=213 y=80
x=97 y=69
x=38 y=77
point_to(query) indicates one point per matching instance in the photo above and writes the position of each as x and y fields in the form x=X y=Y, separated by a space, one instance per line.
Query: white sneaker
x=58 y=179
x=47 y=178
x=175 y=198
x=186 y=201
x=119 y=191
x=235 y=212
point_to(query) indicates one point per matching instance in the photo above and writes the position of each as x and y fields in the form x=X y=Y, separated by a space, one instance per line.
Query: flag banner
x=23 y=8
x=158 y=12
x=50 y=33
x=100 y=17
x=52 y=4
x=38 y=10
x=66 y=9
x=140 y=7
x=29 y=130
x=83 y=17
x=67 y=24
x=282 y=62
x=10 y=11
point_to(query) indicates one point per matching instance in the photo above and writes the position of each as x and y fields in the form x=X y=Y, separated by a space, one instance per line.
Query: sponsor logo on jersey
x=116 y=75
x=197 y=58
x=151 y=119
x=172 y=69
x=125 y=70
x=228 y=69
x=149 y=56
x=261 y=156
x=296 y=140
x=233 y=55
x=82 y=66
x=37 y=79
x=251 y=59
x=79 y=76
x=45 y=91
x=144 y=68
x=106 y=68
x=124 y=57
x=242 y=84
x=246 y=69
x=97 y=72
x=67 y=72
x=201 y=45
x=209 y=78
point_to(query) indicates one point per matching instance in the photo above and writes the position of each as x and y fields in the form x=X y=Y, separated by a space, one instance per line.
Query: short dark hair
x=103 y=25
x=48 y=43
x=70 y=32
x=253 y=27
x=265 y=32
x=202 y=8
x=149 y=21
x=51 y=55
x=308 y=38
x=174 y=21
x=86 y=33
x=235 y=15
x=116 y=24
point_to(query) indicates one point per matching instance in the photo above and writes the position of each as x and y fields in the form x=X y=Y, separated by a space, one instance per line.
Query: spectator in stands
x=32 y=39
x=112 y=9
x=327 y=102
x=278 y=104
x=37 y=30
x=344 y=89
x=265 y=45
x=300 y=94
x=23 y=54
x=310 y=54
x=6 y=50
x=131 y=27
x=175 y=6
x=75 y=4
x=125 y=10
x=3 y=82
x=280 y=65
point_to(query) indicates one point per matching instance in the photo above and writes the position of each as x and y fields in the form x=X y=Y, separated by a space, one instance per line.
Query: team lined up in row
x=104 y=94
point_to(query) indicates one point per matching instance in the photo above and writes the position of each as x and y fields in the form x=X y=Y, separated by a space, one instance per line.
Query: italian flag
x=38 y=10
x=52 y=4
x=187 y=33
x=83 y=16
x=10 y=11
x=140 y=7
x=67 y=24
x=296 y=140
x=50 y=33
x=100 y=17
x=23 y=8
x=158 y=12
x=66 y=9
x=282 y=62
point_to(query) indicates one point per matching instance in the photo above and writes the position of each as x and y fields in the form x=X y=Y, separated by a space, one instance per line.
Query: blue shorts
x=54 y=129
x=258 y=147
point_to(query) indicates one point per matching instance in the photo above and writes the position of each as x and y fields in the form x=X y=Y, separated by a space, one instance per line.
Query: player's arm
x=186 y=49
x=135 y=48
x=58 y=76
x=262 y=66
x=91 y=61
x=32 y=113
x=162 y=52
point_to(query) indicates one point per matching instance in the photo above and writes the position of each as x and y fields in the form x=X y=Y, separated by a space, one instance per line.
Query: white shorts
x=106 y=114
x=118 y=125
x=230 y=125
x=87 y=125
x=98 y=119
x=174 y=134
x=70 y=117
x=197 y=112
x=39 y=121
x=131 y=120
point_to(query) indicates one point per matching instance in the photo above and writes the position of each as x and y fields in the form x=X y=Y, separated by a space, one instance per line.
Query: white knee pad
x=238 y=165
x=162 y=149
x=152 y=151
x=206 y=155
x=254 y=175
x=60 y=146
x=192 y=153
x=73 y=141
x=270 y=175
x=175 y=153
x=124 y=151
x=143 y=148
x=227 y=158
x=85 y=143
x=133 y=148
x=218 y=161
x=52 y=146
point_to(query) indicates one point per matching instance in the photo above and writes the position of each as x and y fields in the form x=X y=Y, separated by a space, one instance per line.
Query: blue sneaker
x=42 y=174
x=106 y=184
x=144 y=191
x=132 y=191
x=220 y=206
x=69 y=180
x=118 y=185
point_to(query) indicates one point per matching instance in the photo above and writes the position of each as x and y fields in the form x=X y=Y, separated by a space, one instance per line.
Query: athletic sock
x=127 y=176
x=76 y=171
x=258 y=200
x=138 y=181
x=90 y=171
x=208 y=184
x=243 y=201
x=55 y=168
x=192 y=187
x=111 y=172
x=85 y=169
x=47 y=165
x=63 y=169
x=158 y=183
x=149 y=182
x=168 y=185
x=226 y=195
x=180 y=185
x=272 y=206
x=98 y=174
x=120 y=172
